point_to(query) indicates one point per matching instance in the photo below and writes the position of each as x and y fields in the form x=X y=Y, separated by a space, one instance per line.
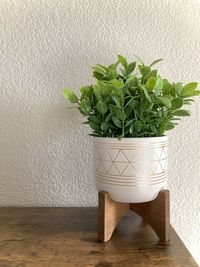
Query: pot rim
x=130 y=139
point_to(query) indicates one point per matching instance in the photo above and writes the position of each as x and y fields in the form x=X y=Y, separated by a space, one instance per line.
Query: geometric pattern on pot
x=122 y=161
x=137 y=165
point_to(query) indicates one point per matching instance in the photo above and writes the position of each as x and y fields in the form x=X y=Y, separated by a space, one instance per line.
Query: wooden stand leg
x=155 y=212
x=110 y=213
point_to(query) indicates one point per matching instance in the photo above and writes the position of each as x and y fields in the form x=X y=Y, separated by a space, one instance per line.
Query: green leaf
x=107 y=100
x=190 y=87
x=165 y=101
x=178 y=88
x=116 y=121
x=95 y=135
x=98 y=76
x=177 y=103
x=128 y=111
x=112 y=74
x=181 y=112
x=147 y=95
x=94 y=126
x=128 y=123
x=107 y=119
x=101 y=107
x=155 y=62
x=97 y=92
x=113 y=66
x=188 y=101
x=150 y=84
x=137 y=125
x=158 y=86
x=169 y=126
x=189 y=94
x=144 y=70
x=168 y=88
x=123 y=61
x=117 y=101
x=85 y=91
x=94 y=118
x=153 y=73
x=134 y=81
x=99 y=69
x=153 y=127
x=86 y=122
x=115 y=83
x=70 y=95
x=176 y=119
x=132 y=102
x=104 y=126
x=103 y=67
x=162 y=125
x=130 y=68
x=125 y=87
x=121 y=115
x=85 y=106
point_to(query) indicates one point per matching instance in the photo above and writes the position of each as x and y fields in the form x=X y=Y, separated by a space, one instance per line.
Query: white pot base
x=131 y=194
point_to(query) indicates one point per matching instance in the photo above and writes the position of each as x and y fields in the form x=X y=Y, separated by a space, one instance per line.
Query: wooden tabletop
x=67 y=237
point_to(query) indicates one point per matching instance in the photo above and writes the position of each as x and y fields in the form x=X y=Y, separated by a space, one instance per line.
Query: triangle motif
x=154 y=155
x=163 y=164
x=121 y=166
x=100 y=152
x=153 y=167
x=113 y=153
x=158 y=168
x=131 y=155
x=113 y=170
x=163 y=156
x=101 y=167
x=106 y=165
x=139 y=167
x=121 y=157
x=129 y=171
x=106 y=156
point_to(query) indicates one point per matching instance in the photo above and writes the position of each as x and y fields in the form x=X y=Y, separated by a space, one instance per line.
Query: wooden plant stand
x=155 y=212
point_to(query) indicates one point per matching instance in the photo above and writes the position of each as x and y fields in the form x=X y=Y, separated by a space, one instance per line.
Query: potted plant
x=129 y=108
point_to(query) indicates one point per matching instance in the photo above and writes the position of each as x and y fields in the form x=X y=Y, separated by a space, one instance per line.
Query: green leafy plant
x=132 y=100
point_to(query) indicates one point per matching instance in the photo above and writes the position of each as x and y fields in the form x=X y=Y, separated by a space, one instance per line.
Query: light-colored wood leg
x=155 y=212
x=110 y=213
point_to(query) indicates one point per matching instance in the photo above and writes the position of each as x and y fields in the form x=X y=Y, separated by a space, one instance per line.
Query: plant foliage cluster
x=132 y=100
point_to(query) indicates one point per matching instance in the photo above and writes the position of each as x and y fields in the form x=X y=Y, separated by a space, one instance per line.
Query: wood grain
x=110 y=213
x=67 y=237
x=155 y=212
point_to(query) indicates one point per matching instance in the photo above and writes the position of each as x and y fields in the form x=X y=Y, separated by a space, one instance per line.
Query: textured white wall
x=45 y=157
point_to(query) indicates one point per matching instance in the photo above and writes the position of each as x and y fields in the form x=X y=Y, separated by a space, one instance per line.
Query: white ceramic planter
x=132 y=170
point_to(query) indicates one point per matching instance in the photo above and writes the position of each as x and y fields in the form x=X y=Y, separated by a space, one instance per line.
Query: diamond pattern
x=129 y=171
x=121 y=166
x=106 y=156
x=131 y=161
x=106 y=165
x=121 y=157
x=113 y=153
x=113 y=170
